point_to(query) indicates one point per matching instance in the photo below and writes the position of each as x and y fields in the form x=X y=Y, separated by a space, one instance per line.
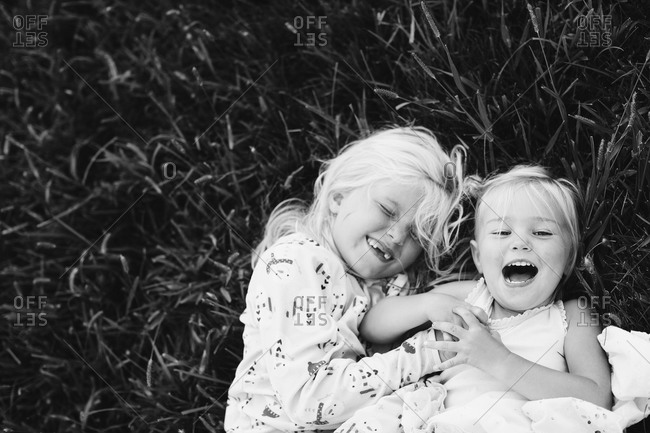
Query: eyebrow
x=396 y=206
x=535 y=219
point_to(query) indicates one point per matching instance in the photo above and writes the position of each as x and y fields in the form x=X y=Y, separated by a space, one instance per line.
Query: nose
x=519 y=243
x=398 y=232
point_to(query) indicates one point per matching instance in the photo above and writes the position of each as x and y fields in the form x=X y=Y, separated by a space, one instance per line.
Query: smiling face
x=372 y=229
x=522 y=248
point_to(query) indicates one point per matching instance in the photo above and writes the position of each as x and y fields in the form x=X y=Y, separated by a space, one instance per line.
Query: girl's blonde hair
x=409 y=156
x=559 y=195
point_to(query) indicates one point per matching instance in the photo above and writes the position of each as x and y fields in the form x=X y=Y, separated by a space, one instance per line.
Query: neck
x=499 y=312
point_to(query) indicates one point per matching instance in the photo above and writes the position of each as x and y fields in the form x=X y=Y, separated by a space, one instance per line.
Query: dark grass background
x=144 y=145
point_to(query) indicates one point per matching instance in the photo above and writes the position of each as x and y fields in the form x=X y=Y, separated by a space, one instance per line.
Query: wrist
x=505 y=364
x=435 y=307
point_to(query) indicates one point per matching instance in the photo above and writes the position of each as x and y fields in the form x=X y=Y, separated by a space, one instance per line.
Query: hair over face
x=409 y=156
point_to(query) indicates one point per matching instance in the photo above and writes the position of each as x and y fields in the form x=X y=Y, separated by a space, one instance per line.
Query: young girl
x=534 y=346
x=377 y=206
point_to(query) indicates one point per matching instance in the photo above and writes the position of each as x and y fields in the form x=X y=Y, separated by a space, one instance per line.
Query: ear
x=475 y=255
x=334 y=202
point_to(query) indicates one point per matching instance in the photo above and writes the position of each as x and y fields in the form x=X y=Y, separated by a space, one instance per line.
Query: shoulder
x=575 y=311
x=457 y=289
x=296 y=254
x=571 y=307
x=580 y=316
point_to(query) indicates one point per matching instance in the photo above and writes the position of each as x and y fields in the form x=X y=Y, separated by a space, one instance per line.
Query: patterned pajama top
x=304 y=367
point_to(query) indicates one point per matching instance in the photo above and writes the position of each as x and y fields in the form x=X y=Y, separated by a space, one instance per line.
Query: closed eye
x=387 y=211
x=542 y=233
x=501 y=232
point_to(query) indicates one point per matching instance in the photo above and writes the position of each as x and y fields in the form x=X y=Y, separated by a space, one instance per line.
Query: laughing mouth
x=519 y=272
x=376 y=245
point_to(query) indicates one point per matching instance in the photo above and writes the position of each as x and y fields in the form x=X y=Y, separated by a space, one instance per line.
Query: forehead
x=404 y=196
x=521 y=202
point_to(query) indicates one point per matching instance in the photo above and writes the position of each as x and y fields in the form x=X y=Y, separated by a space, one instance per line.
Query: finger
x=480 y=314
x=450 y=328
x=467 y=316
x=445 y=346
x=456 y=360
x=458 y=321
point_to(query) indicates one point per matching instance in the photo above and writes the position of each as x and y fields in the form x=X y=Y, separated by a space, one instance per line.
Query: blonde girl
x=386 y=204
x=535 y=346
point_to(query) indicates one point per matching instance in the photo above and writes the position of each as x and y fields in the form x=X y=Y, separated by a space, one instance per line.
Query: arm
x=588 y=377
x=584 y=355
x=316 y=369
x=395 y=315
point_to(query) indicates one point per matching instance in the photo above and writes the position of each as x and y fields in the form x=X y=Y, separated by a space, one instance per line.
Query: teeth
x=532 y=272
x=373 y=243
x=522 y=264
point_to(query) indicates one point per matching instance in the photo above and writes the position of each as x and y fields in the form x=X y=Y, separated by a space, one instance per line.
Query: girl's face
x=372 y=229
x=521 y=249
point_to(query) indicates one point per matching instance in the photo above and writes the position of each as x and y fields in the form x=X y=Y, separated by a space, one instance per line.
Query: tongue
x=518 y=277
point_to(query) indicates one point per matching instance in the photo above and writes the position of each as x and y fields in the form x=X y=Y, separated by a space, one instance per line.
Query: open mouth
x=378 y=248
x=519 y=272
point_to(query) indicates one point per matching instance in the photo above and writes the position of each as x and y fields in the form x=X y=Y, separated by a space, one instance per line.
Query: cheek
x=566 y=255
x=490 y=251
x=411 y=252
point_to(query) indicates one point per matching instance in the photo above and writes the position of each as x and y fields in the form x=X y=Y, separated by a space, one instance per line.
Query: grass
x=144 y=146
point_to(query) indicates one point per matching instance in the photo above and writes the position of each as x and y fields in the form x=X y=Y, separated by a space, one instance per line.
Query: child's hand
x=444 y=312
x=474 y=344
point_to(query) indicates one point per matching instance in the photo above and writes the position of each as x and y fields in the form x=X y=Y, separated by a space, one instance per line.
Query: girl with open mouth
x=534 y=346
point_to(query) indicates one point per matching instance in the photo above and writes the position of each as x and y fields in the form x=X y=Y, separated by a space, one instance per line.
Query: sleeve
x=316 y=365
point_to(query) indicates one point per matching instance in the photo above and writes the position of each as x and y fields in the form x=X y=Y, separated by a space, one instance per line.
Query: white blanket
x=629 y=357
